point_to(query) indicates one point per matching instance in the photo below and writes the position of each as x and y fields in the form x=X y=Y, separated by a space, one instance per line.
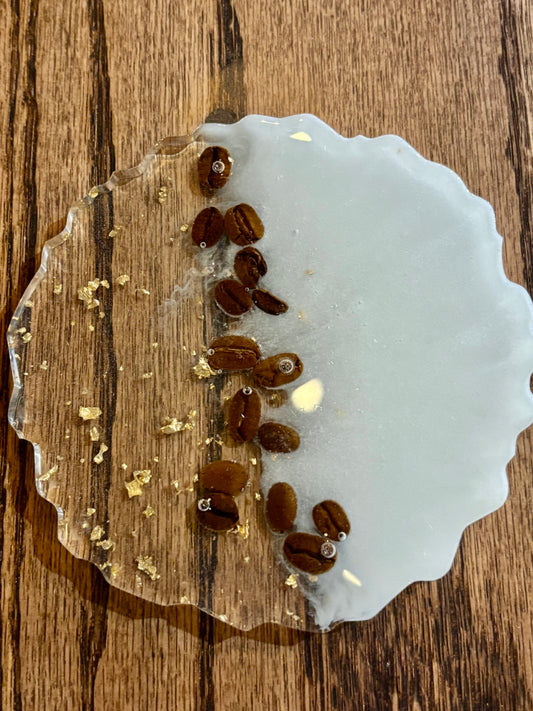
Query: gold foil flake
x=89 y=413
x=184 y=227
x=312 y=578
x=91 y=327
x=85 y=525
x=122 y=279
x=21 y=330
x=93 y=432
x=67 y=433
x=309 y=272
x=106 y=544
x=291 y=581
x=58 y=287
x=146 y=565
x=104 y=283
x=59 y=458
x=90 y=511
x=143 y=475
x=142 y=291
x=29 y=304
x=86 y=294
x=170 y=425
x=96 y=533
x=176 y=485
x=124 y=466
x=49 y=473
x=202 y=369
x=162 y=195
x=114 y=232
x=121 y=369
x=156 y=459
x=101 y=314
x=223 y=618
x=115 y=570
x=258 y=496
x=26 y=338
x=104 y=566
x=184 y=600
x=301 y=136
x=294 y=616
x=93 y=193
x=253 y=461
x=134 y=488
x=302 y=315
x=148 y=512
x=68 y=403
x=246 y=558
x=155 y=345
x=99 y=458
x=243 y=529
x=148 y=375
x=82 y=460
x=212 y=386
x=44 y=365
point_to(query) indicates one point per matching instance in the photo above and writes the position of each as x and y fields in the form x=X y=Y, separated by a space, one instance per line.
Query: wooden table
x=90 y=86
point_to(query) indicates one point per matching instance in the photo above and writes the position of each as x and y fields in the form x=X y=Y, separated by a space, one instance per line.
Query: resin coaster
x=397 y=383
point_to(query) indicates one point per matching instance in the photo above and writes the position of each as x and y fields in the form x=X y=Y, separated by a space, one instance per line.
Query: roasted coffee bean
x=306 y=552
x=242 y=224
x=249 y=266
x=214 y=167
x=278 y=370
x=281 y=506
x=218 y=512
x=207 y=227
x=331 y=520
x=233 y=353
x=275 y=437
x=244 y=414
x=224 y=476
x=232 y=297
x=268 y=303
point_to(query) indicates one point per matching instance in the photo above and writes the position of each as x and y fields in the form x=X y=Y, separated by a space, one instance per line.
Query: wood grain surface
x=89 y=86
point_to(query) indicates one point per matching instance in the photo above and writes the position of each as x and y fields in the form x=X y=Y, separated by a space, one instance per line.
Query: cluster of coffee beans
x=306 y=551
x=243 y=226
x=218 y=484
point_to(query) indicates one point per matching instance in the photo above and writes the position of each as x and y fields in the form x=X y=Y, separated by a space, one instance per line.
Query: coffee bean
x=275 y=437
x=249 y=266
x=331 y=520
x=217 y=512
x=233 y=353
x=268 y=303
x=244 y=414
x=207 y=227
x=281 y=506
x=304 y=551
x=214 y=167
x=242 y=224
x=224 y=476
x=232 y=297
x=278 y=370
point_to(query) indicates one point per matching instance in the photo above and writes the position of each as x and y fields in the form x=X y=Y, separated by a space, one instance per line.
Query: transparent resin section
x=417 y=353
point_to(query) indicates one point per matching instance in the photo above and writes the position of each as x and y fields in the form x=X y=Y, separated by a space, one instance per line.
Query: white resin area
x=400 y=307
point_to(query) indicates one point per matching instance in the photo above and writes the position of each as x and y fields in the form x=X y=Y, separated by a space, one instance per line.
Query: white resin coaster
x=417 y=352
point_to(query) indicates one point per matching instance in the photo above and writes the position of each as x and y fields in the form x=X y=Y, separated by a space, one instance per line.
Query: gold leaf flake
x=29 y=304
x=99 y=458
x=202 y=369
x=101 y=314
x=115 y=569
x=93 y=192
x=312 y=578
x=96 y=533
x=309 y=272
x=89 y=413
x=291 y=581
x=49 y=473
x=146 y=565
x=122 y=279
x=156 y=459
x=82 y=460
x=141 y=477
x=258 y=496
x=124 y=466
x=91 y=327
x=44 y=365
x=170 y=425
x=155 y=345
x=162 y=195
x=106 y=544
x=149 y=512
x=253 y=461
x=68 y=402
x=134 y=488
x=246 y=558
x=26 y=338
x=94 y=434
x=142 y=291
x=243 y=529
x=21 y=330
x=301 y=136
x=58 y=287
x=90 y=511
x=148 y=375
x=86 y=294
x=184 y=227
x=104 y=283
x=176 y=486
x=184 y=600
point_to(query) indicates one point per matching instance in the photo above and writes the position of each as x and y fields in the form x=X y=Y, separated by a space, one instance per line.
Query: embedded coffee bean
x=242 y=224
x=249 y=266
x=305 y=552
x=275 y=437
x=331 y=520
x=208 y=227
x=224 y=476
x=244 y=414
x=217 y=512
x=214 y=167
x=281 y=506
x=233 y=353
x=278 y=370
x=232 y=297
x=268 y=303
